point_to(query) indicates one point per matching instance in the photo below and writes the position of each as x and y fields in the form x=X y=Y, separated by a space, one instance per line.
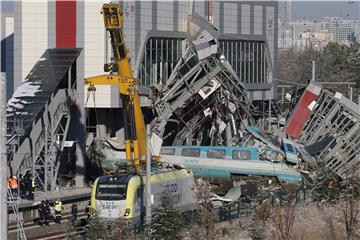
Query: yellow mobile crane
x=122 y=76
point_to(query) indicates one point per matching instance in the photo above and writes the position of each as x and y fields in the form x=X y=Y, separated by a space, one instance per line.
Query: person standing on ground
x=42 y=212
x=74 y=212
x=87 y=210
x=21 y=185
x=13 y=184
x=30 y=187
x=58 y=208
x=47 y=212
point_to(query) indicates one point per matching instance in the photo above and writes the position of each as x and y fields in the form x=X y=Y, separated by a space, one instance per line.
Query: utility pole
x=269 y=115
x=210 y=16
x=313 y=71
x=350 y=92
x=3 y=165
x=148 y=177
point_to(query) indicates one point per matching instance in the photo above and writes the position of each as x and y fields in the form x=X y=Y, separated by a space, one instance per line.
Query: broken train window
x=190 y=152
x=241 y=155
x=167 y=151
x=216 y=153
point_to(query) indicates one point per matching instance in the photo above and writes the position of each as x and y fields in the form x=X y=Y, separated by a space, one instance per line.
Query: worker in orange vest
x=13 y=184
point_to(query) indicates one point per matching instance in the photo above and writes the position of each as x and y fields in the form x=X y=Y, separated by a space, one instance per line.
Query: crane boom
x=121 y=75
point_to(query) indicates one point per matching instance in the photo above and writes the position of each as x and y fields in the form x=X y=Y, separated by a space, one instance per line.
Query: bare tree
x=351 y=209
x=283 y=218
x=258 y=221
x=208 y=229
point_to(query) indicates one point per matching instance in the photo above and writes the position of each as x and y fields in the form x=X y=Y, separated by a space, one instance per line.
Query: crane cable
x=96 y=115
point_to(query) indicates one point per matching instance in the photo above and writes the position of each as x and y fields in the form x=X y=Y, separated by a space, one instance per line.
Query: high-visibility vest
x=58 y=206
x=331 y=184
x=13 y=183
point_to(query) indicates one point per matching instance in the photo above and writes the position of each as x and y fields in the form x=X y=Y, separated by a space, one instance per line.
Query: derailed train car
x=227 y=163
x=124 y=196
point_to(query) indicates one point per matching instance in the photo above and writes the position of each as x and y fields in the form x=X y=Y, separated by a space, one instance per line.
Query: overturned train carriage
x=203 y=93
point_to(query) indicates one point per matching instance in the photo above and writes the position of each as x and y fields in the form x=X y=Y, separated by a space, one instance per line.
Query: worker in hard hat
x=58 y=208
x=13 y=184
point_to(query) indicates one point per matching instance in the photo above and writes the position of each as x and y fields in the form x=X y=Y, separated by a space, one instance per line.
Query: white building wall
x=216 y=14
x=183 y=10
x=94 y=39
x=34 y=35
x=230 y=18
x=9 y=26
x=200 y=7
x=164 y=17
x=146 y=15
x=94 y=53
x=270 y=31
x=129 y=27
x=245 y=19
x=258 y=20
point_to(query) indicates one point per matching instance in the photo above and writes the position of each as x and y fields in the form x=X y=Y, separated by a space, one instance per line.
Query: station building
x=154 y=32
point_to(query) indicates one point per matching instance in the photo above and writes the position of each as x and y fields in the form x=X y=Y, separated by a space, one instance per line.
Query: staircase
x=13 y=201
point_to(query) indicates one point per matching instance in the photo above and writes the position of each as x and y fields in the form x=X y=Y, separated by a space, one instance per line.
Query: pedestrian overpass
x=39 y=117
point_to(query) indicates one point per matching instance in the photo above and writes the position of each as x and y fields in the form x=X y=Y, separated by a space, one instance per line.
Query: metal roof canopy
x=45 y=78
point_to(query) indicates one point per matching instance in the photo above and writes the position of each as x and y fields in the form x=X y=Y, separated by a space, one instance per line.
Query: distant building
x=343 y=30
x=300 y=33
x=317 y=40
x=292 y=32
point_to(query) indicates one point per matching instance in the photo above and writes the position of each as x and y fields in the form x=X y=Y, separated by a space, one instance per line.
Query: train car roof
x=126 y=177
x=115 y=178
x=216 y=147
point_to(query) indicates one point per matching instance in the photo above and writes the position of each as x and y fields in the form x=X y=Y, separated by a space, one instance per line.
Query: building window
x=248 y=59
x=159 y=59
x=190 y=152
x=241 y=155
x=216 y=153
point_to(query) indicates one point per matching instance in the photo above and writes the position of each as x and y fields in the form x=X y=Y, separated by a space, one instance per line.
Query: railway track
x=34 y=231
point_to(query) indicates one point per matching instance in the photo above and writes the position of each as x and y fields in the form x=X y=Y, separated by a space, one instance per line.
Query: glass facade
x=161 y=55
x=247 y=58
x=159 y=59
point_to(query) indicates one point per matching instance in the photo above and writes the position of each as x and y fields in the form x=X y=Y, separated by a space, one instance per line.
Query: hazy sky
x=316 y=9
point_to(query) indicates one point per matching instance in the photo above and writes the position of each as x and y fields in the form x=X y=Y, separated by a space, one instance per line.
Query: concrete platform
x=66 y=195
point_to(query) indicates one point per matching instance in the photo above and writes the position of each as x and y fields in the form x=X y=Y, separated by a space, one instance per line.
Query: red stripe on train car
x=301 y=114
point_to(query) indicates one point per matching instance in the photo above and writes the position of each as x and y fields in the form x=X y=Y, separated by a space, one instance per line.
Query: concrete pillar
x=3 y=160
x=228 y=135
x=80 y=123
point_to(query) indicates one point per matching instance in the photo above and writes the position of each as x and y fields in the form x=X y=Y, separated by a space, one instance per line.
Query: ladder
x=14 y=202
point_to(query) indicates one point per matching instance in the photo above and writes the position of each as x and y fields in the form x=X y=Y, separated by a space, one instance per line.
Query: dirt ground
x=311 y=221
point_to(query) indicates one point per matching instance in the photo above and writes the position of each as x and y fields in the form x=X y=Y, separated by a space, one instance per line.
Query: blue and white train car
x=290 y=151
x=222 y=162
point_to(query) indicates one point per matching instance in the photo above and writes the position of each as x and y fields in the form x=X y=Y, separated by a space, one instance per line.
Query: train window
x=216 y=153
x=241 y=154
x=190 y=152
x=290 y=147
x=167 y=151
x=111 y=192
